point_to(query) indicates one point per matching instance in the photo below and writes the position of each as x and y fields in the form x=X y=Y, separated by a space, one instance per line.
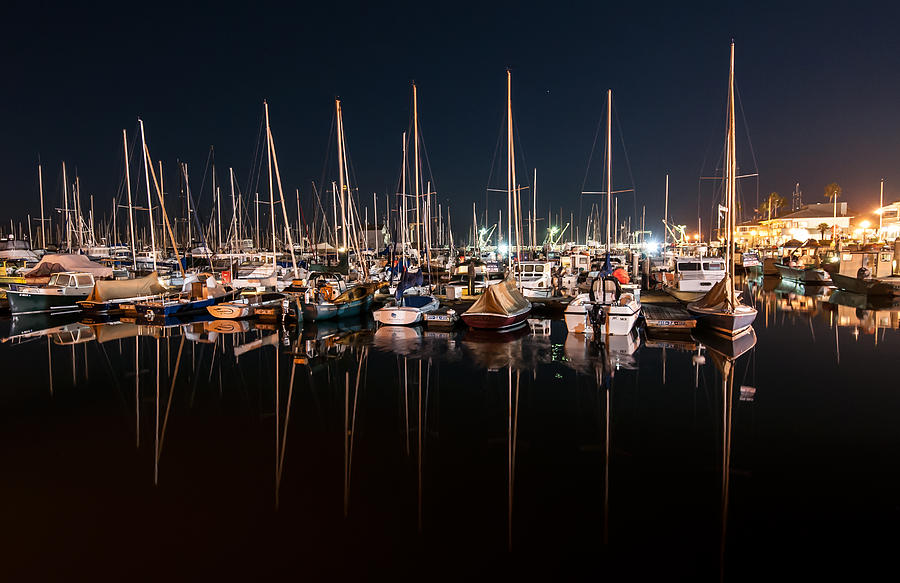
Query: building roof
x=813 y=211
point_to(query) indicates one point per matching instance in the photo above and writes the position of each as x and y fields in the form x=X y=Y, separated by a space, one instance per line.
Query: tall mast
x=187 y=191
x=233 y=207
x=404 y=222
x=510 y=166
x=41 y=194
x=340 y=145
x=608 y=167
x=66 y=209
x=76 y=194
x=216 y=196
x=149 y=200
x=416 y=172
x=271 y=189
x=730 y=179
x=93 y=236
x=666 y=215
x=130 y=206
x=290 y=240
x=534 y=212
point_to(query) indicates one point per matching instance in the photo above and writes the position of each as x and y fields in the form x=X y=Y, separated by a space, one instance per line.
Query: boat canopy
x=718 y=297
x=417 y=301
x=59 y=262
x=127 y=288
x=501 y=298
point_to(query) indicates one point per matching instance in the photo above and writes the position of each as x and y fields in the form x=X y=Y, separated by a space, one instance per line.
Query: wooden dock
x=667 y=317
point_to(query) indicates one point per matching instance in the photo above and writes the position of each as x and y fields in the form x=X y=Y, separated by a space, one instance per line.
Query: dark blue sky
x=818 y=83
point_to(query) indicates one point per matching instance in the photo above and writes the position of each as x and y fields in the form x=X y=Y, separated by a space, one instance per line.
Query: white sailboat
x=412 y=299
x=619 y=303
x=721 y=309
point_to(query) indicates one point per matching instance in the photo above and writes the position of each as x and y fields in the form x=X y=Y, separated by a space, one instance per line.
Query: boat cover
x=502 y=299
x=409 y=279
x=417 y=301
x=717 y=296
x=59 y=262
x=105 y=290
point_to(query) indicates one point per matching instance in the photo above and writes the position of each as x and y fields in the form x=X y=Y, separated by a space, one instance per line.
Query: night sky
x=819 y=87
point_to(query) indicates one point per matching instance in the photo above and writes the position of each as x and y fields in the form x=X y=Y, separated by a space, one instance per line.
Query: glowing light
x=503 y=248
x=864 y=224
x=877 y=211
x=651 y=247
x=342 y=249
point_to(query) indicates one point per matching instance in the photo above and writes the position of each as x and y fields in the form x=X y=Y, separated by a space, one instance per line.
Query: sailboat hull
x=729 y=323
x=487 y=321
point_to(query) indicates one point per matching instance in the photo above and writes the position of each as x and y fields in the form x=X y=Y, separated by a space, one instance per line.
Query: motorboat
x=614 y=306
x=694 y=277
x=61 y=294
x=535 y=278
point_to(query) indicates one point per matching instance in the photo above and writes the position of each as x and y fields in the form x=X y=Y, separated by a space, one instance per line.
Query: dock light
x=503 y=248
x=342 y=249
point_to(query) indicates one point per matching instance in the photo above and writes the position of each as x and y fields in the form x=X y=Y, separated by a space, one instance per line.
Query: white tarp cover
x=502 y=298
x=113 y=289
x=58 y=262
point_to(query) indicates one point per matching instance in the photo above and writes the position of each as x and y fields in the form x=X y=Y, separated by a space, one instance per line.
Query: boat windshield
x=60 y=279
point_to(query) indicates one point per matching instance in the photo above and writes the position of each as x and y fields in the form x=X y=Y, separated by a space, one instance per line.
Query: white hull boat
x=410 y=310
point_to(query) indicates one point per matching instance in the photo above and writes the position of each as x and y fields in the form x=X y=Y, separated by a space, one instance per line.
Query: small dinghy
x=407 y=310
x=246 y=305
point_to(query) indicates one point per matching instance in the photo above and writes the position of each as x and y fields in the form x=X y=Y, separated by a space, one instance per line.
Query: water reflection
x=414 y=436
x=724 y=354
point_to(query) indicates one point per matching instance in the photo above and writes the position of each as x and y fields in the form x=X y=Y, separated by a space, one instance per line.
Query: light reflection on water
x=404 y=444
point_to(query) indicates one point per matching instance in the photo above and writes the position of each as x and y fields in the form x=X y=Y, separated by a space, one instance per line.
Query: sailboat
x=721 y=308
x=410 y=304
x=502 y=306
x=619 y=304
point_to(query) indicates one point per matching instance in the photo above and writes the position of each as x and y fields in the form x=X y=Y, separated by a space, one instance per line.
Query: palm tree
x=822 y=227
x=771 y=204
x=833 y=191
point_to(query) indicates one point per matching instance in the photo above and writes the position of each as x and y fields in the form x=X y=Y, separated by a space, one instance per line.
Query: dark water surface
x=339 y=451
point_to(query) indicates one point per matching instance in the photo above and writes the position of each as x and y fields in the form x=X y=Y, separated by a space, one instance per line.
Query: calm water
x=342 y=451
